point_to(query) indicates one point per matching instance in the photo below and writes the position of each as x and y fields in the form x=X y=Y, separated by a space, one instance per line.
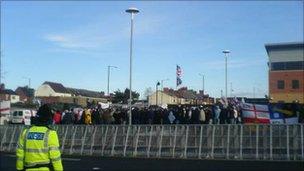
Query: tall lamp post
x=203 y=76
x=29 y=81
x=108 y=87
x=156 y=100
x=132 y=11
x=162 y=89
x=226 y=52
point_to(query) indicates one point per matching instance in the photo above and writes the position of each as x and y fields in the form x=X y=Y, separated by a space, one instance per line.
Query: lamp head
x=226 y=51
x=132 y=10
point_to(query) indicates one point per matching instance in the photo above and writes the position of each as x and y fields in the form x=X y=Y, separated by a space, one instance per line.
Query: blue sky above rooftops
x=73 y=42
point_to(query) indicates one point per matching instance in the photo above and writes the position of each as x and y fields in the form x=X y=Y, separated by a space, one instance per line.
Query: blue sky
x=73 y=42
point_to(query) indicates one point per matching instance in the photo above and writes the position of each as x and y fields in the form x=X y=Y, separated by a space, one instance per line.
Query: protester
x=216 y=114
x=57 y=117
x=202 y=116
x=68 y=118
x=87 y=117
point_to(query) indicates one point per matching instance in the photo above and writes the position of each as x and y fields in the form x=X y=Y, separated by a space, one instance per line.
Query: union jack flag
x=178 y=81
x=178 y=71
x=178 y=75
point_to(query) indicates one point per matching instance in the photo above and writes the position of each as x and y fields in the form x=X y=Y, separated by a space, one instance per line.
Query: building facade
x=50 y=92
x=286 y=72
x=182 y=96
x=26 y=94
x=9 y=95
x=163 y=98
x=51 y=89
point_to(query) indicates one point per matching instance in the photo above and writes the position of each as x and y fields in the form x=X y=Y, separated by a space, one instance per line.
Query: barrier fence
x=252 y=142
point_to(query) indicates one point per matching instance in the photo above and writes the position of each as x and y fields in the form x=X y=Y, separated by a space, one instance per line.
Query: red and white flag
x=254 y=113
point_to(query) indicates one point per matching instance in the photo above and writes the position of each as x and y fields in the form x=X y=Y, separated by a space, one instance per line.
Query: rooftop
x=59 y=88
x=8 y=91
x=286 y=45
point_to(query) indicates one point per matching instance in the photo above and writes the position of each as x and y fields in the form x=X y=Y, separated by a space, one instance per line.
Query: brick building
x=286 y=72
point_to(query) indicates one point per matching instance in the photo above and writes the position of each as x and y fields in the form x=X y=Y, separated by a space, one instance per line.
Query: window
x=295 y=84
x=281 y=84
x=277 y=66
x=294 y=65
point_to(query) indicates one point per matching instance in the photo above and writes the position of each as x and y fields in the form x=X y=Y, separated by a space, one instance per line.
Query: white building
x=164 y=98
x=50 y=89
x=9 y=95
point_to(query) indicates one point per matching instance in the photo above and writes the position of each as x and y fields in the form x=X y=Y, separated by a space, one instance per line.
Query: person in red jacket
x=57 y=117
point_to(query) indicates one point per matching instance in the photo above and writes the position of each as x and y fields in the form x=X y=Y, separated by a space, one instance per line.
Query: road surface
x=7 y=163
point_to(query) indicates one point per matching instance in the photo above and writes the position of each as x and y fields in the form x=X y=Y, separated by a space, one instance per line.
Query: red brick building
x=286 y=72
x=26 y=94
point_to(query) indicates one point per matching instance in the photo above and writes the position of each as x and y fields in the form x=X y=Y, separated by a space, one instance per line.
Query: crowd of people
x=207 y=114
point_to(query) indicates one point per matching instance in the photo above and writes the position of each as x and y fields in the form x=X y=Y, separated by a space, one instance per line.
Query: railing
x=252 y=142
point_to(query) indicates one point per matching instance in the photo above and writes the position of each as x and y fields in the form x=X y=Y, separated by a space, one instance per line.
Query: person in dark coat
x=68 y=118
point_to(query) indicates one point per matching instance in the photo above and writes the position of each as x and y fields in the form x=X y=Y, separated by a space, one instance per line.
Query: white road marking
x=96 y=168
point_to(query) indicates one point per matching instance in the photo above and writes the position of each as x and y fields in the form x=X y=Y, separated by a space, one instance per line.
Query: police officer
x=38 y=146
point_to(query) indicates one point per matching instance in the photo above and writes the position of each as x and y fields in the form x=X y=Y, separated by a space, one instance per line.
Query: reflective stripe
x=46 y=138
x=56 y=159
x=19 y=146
x=33 y=150
x=24 y=138
x=20 y=159
x=54 y=148
x=35 y=163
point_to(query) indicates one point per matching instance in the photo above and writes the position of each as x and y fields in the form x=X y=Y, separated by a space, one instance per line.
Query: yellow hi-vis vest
x=38 y=149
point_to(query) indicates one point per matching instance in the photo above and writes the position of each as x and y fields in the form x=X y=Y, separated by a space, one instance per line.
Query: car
x=22 y=116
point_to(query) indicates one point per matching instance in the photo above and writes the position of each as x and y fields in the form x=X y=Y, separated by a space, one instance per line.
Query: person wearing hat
x=38 y=145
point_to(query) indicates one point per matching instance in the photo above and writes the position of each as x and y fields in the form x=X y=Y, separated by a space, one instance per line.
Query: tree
x=123 y=97
x=148 y=92
x=118 y=97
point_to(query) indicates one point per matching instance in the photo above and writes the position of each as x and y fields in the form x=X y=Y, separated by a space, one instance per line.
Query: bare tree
x=148 y=92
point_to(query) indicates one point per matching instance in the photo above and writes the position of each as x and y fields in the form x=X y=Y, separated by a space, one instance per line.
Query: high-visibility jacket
x=87 y=117
x=38 y=149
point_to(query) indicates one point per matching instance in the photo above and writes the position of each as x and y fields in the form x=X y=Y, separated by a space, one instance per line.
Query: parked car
x=22 y=116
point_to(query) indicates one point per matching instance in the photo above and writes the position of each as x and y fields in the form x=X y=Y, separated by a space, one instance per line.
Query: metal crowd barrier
x=233 y=142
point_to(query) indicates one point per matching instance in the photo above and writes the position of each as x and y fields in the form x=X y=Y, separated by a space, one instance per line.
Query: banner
x=104 y=105
x=253 y=113
x=272 y=113
x=284 y=113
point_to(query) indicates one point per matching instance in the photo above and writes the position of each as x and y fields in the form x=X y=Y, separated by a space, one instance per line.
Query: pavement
x=7 y=163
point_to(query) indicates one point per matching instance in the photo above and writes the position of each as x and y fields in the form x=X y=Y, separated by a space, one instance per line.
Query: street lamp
x=203 y=76
x=231 y=89
x=132 y=11
x=156 y=100
x=162 y=89
x=29 y=81
x=226 y=52
x=108 y=87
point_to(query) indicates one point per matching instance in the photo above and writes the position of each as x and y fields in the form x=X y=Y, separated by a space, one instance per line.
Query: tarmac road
x=7 y=163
